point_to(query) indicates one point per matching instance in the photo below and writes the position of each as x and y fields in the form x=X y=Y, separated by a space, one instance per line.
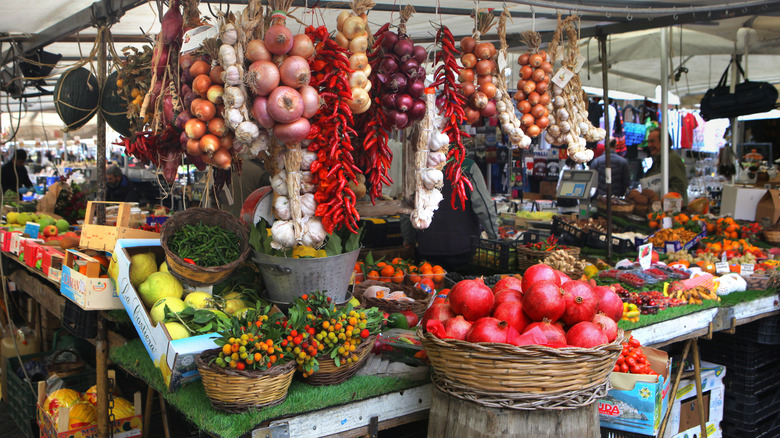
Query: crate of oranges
x=426 y=273
x=392 y=271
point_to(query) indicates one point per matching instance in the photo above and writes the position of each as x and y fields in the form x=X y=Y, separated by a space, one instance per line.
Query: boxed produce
x=50 y=258
x=637 y=402
x=174 y=357
x=83 y=284
x=63 y=414
x=5 y=238
x=16 y=243
x=663 y=244
x=684 y=418
x=29 y=251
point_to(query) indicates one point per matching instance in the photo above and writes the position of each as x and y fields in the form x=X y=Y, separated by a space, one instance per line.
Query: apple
x=50 y=231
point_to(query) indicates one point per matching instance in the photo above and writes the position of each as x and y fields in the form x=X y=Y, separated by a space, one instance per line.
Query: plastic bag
x=731 y=283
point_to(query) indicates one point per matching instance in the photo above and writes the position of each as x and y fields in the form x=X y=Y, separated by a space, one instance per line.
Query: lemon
x=158 y=310
x=141 y=267
x=13 y=217
x=159 y=285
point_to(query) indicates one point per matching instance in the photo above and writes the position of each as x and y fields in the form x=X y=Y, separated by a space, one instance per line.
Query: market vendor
x=447 y=242
x=678 y=178
x=621 y=175
x=252 y=177
x=119 y=188
x=15 y=175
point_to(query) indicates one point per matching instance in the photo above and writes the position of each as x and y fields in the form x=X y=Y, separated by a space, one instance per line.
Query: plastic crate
x=22 y=401
x=753 y=382
x=734 y=352
x=500 y=255
x=598 y=240
x=79 y=322
x=752 y=409
x=569 y=234
x=764 y=331
x=451 y=278
x=769 y=428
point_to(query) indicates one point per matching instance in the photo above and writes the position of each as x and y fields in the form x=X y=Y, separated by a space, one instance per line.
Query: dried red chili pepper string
x=331 y=134
x=451 y=101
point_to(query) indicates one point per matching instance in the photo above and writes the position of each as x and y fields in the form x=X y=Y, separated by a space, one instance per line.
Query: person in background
x=621 y=174
x=119 y=188
x=252 y=177
x=15 y=175
x=678 y=179
x=447 y=242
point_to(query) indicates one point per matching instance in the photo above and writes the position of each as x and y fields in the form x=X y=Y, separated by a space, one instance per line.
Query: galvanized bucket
x=288 y=278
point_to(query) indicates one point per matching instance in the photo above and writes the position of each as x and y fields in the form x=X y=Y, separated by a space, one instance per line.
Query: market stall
x=276 y=322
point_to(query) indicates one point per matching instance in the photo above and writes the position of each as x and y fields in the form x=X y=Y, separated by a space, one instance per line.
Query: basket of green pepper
x=204 y=245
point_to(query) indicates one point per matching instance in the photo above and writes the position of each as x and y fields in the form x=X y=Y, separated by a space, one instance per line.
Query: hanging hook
x=674 y=16
x=607 y=13
x=219 y=11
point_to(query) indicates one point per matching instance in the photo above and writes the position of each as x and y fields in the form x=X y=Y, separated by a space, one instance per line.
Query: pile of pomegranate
x=546 y=307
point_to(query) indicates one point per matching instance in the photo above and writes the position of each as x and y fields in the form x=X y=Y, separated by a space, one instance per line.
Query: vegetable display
x=508 y=121
x=429 y=160
x=532 y=94
x=479 y=70
x=205 y=245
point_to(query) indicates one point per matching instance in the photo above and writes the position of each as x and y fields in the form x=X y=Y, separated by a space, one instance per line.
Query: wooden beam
x=383 y=208
x=49 y=298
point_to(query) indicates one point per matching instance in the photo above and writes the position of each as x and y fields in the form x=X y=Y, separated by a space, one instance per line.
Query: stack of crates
x=751 y=357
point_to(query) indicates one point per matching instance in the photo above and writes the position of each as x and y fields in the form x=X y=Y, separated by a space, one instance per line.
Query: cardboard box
x=684 y=417
x=637 y=402
x=740 y=202
x=51 y=257
x=129 y=427
x=768 y=207
x=176 y=359
x=16 y=241
x=5 y=238
x=104 y=237
x=84 y=286
x=31 y=249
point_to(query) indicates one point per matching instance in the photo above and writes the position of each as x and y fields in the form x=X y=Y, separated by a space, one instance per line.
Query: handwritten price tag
x=747 y=269
x=722 y=268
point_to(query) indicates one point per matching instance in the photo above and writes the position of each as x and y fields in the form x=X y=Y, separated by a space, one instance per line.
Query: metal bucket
x=287 y=278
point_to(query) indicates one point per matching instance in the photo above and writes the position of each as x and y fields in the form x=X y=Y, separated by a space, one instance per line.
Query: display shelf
x=355 y=400
x=677 y=329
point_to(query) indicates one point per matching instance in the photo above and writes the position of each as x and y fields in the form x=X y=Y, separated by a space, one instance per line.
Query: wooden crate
x=104 y=237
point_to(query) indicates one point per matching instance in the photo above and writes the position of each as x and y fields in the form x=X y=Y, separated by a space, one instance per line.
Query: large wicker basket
x=528 y=377
x=418 y=306
x=527 y=257
x=330 y=374
x=203 y=275
x=234 y=391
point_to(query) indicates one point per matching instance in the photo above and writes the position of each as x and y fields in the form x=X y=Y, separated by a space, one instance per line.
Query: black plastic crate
x=569 y=234
x=747 y=409
x=382 y=234
x=598 y=240
x=734 y=352
x=500 y=255
x=769 y=428
x=79 y=322
x=614 y=433
x=764 y=331
x=22 y=402
x=451 y=278
x=758 y=381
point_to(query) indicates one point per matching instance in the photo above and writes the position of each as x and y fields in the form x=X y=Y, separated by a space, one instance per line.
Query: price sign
x=747 y=269
x=646 y=255
x=722 y=267
x=666 y=222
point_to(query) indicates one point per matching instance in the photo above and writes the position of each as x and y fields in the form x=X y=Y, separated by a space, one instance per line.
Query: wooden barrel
x=452 y=417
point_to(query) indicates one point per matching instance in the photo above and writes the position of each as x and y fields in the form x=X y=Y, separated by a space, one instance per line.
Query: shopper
x=15 y=177
x=119 y=188
x=678 y=177
x=447 y=242
x=621 y=175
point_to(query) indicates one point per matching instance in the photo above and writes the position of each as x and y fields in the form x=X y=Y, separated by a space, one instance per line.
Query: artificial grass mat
x=192 y=402
x=735 y=298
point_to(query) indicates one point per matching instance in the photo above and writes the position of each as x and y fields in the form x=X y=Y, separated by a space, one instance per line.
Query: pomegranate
x=438 y=311
x=509 y=282
x=512 y=312
x=488 y=329
x=555 y=335
x=457 y=327
x=563 y=278
x=544 y=299
x=580 y=302
x=531 y=337
x=436 y=328
x=606 y=323
x=610 y=303
x=537 y=273
x=472 y=299
x=506 y=295
x=586 y=335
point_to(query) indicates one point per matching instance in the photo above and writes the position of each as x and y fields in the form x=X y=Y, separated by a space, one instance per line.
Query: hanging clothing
x=687 y=126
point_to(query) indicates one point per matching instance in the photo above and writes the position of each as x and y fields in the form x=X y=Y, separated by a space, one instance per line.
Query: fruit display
x=633 y=360
x=564 y=262
x=82 y=412
x=534 y=310
x=681 y=235
x=644 y=200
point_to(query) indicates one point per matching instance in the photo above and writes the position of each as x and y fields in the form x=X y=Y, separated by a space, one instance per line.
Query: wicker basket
x=235 y=391
x=628 y=207
x=330 y=374
x=527 y=257
x=772 y=236
x=418 y=306
x=540 y=375
x=203 y=275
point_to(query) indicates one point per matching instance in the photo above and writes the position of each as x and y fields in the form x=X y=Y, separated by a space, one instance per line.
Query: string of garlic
x=429 y=159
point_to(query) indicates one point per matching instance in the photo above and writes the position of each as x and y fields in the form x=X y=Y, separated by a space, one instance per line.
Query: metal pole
x=664 y=119
x=607 y=151
x=101 y=342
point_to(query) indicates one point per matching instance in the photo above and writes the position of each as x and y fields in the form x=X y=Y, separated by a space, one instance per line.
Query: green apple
x=157 y=313
x=198 y=300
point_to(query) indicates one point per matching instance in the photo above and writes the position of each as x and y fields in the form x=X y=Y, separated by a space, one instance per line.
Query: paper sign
x=646 y=255
x=666 y=222
x=723 y=257
x=562 y=77
x=746 y=270
x=193 y=38
x=32 y=229
x=722 y=268
x=502 y=63
x=580 y=62
x=672 y=204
